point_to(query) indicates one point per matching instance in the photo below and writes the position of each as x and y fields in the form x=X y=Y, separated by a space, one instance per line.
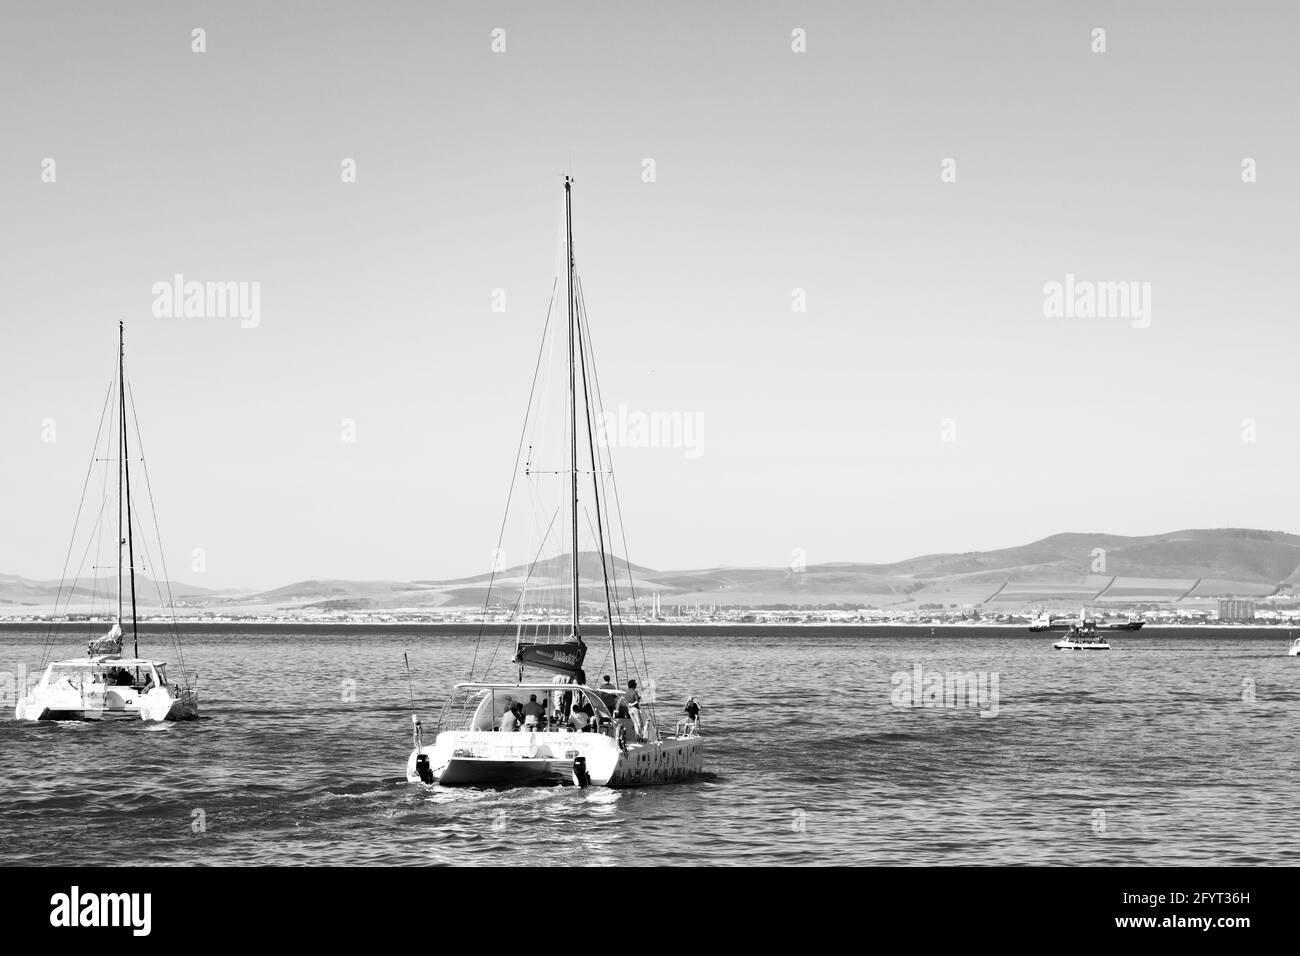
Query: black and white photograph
x=596 y=435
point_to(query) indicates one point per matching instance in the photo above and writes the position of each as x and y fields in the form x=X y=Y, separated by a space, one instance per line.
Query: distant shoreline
x=660 y=629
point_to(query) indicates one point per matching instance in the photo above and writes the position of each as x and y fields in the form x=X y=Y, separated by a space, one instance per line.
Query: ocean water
x=1174 y=748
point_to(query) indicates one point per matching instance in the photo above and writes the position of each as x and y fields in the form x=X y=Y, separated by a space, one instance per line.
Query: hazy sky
x=821 y=430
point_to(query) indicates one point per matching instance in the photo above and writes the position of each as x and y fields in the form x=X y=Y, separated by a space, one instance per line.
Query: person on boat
x=532 y=711
x=690 y=715
x=633 y=698
x=609 y=693
x=509 y=722
x=691 y=710
x=578 y=718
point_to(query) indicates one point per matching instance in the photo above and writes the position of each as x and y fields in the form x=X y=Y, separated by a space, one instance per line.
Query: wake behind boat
x=560 y=729
x=104 y=685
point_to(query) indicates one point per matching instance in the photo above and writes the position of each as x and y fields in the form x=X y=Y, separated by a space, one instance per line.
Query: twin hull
x=113 y=703
x=491 y=758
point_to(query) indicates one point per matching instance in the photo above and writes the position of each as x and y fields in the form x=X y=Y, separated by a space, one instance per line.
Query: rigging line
x=601 y=459
x=97 y=528
x=148 y=558
x=94 y=538
x=80 y=565
x=126 y=471
x=618 y=505
x=49 y=637
x=519 y=599
x=97 y=536
x=599 y=456
x=162 y=554
x=536 y=509
x=514 y=475
x=595 y=480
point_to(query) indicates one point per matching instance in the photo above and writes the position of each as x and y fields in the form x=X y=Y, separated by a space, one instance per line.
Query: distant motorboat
x=1083 y=638
x=1294 y=649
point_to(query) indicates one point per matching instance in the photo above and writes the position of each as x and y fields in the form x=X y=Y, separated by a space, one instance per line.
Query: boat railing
x=687 y=727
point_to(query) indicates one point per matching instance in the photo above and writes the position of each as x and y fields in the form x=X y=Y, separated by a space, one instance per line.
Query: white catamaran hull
x=113 y=703
x=495 y=759
x=1085 y=646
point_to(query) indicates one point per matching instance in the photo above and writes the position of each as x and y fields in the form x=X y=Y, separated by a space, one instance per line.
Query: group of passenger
x=122 y=677
x=538 y=715
x=574 y=711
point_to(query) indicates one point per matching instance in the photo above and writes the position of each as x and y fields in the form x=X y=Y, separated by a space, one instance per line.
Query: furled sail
x=562 y=657
x=109 y=645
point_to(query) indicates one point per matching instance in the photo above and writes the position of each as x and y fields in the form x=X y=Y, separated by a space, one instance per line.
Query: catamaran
x=558 y=728
x=104 y=685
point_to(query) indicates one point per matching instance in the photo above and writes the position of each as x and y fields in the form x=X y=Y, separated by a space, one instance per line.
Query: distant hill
x=19 y=590
x=1061 y=571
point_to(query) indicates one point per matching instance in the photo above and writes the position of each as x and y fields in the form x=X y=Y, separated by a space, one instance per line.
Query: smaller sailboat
x=104 y=685
x=1294 y=649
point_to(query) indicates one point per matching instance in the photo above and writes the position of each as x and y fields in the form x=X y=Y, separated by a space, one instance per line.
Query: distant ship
x=1132 y=624
x=1045 y=622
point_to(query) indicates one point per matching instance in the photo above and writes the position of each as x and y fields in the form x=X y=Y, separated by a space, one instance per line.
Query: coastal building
x=1231 y=609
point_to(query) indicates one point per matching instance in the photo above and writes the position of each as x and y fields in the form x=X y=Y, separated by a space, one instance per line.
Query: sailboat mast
x=121 y=428
x=573 y=402
x=124 y=483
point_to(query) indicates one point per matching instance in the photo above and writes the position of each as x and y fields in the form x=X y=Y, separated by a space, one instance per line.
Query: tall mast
x=121 y=460
x=125 y=483
x=573 y=403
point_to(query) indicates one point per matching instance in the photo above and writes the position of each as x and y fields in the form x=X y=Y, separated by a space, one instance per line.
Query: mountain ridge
x=1063 y=569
